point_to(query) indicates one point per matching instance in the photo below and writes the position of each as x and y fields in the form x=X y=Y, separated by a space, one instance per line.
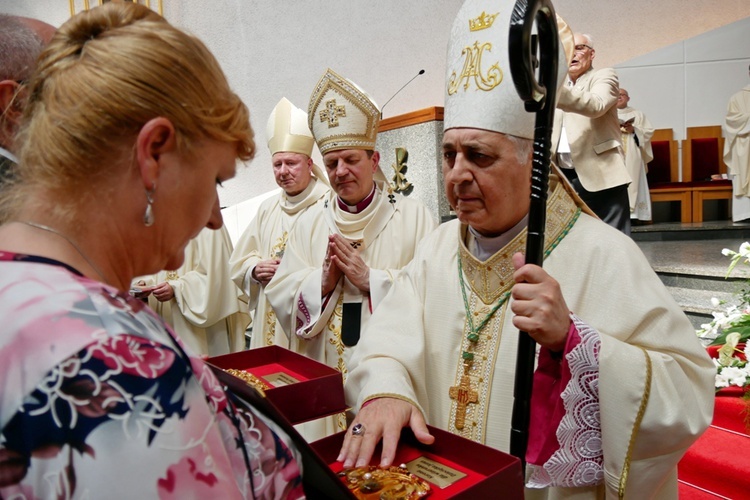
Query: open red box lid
x=302 y=389
x=466 y=470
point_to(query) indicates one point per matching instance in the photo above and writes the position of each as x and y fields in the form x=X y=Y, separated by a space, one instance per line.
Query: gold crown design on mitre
x=483 y=21
x=479 y=86
x=341 y=115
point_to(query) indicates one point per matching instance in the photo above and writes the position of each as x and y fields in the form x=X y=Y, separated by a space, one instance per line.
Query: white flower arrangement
x=732 y=370
x=730 y=329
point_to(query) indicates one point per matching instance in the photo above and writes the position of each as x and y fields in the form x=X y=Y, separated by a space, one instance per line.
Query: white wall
x=689 y=83
x=272 y=49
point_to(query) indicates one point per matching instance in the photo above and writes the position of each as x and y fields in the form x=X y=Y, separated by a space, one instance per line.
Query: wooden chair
x=702 y=158
x=663 y=174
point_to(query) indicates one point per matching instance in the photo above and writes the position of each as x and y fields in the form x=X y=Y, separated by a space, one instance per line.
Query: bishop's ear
x=12 y=95
x=375 y=160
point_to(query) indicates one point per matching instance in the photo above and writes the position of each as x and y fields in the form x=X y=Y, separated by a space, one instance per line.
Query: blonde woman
x=129 y=127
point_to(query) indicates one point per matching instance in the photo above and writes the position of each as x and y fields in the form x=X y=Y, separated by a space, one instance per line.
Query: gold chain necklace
x=72 y=243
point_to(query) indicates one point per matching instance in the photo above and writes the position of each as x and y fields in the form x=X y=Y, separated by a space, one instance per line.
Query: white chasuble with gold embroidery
x=650 y=361
x=386 y=234
x=265 y=238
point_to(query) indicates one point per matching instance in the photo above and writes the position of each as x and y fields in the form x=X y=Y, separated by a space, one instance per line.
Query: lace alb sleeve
x=578 y=460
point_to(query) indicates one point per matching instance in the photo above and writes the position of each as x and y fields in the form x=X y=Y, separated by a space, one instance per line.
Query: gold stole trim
x=270 y=327
x=277 y=251
x=334 y=336
x=636 y=426
x=480 y=373
x=488 y=281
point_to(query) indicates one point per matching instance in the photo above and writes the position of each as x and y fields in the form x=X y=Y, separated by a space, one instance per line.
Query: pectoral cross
x=463 y=395
x=332 y=112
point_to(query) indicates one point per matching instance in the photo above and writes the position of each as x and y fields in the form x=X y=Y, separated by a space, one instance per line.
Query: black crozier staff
x=539 y=98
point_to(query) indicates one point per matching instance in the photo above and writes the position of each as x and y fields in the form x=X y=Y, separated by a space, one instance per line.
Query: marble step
x=688 y=259
x=695 y=292
x=676 y=231
x=697 y=304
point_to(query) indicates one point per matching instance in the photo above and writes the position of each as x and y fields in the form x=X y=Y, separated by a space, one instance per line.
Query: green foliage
x=742 y=327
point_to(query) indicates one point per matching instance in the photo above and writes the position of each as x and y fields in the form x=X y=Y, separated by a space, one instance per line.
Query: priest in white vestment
x=636 y=144
x=259 y=250
x=737 y=152
x=622 y=387
x=199 y=300
x=343 y=255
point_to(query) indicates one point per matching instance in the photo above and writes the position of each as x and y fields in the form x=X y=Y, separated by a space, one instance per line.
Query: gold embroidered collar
x=493 y=277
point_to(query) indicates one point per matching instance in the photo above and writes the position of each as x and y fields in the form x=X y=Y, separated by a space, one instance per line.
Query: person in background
x=636 y=144
x=260 y=248
x=616 y=355
x=129 y=127
x=199 y=300
x=21 y=41
x=737 y=151
x=587 y=136
x=343 y=254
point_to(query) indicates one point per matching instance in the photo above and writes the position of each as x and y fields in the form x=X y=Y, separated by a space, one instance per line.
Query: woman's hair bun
x=97 y=22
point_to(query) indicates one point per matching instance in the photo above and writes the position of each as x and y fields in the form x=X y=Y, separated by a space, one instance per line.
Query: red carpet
x=718 y=464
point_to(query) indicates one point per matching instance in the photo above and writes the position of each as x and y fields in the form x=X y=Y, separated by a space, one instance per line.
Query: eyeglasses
x=582 y=47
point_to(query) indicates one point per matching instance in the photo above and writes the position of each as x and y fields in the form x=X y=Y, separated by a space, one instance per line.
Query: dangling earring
x=148 y=217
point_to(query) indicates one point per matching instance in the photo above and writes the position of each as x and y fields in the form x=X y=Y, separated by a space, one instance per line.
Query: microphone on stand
x=421 y=72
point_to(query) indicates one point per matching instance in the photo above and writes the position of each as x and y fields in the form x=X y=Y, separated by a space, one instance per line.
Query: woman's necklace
x=72 y=243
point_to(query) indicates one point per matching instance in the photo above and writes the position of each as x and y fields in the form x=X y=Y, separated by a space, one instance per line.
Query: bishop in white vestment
x=622 y=385
x=343 y=255
x=262 y=244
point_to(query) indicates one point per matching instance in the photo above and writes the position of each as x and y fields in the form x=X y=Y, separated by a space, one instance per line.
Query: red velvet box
x=489 y=473
x=313 y=391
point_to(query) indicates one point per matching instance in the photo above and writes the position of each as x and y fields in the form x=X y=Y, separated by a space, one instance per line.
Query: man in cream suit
x=588 y=137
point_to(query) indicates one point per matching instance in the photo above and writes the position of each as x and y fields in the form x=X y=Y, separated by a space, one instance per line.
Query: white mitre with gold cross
x=288 y=132
x=479 y=86
x=342 y=115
